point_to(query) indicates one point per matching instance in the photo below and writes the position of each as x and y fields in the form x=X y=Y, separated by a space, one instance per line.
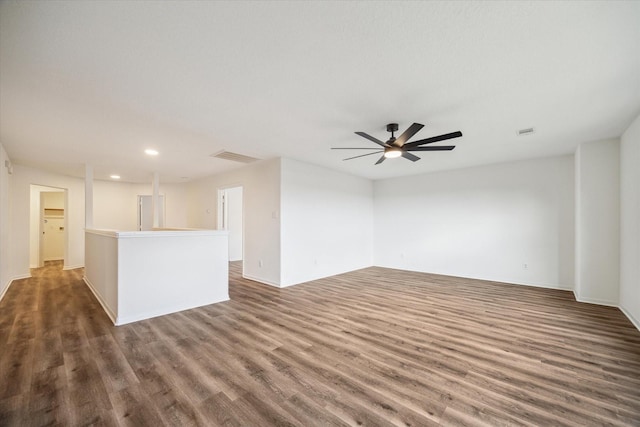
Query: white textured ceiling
x=99 y=81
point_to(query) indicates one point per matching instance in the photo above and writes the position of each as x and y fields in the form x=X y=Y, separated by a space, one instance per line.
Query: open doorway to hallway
x=47 y=225
x=145 y=212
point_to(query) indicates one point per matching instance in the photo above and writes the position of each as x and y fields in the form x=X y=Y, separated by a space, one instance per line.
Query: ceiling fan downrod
x=392 y=127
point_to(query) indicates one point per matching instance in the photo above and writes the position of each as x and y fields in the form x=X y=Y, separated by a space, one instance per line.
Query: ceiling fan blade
x=380 y=160
x=434 y=139
x=410 y=156
x=411 y=130
x=362 y=155
x=434 y=148
x=354 y=148
x=372 y=139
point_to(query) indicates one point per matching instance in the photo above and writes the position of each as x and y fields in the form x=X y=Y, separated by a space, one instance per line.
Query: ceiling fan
x=396 y=147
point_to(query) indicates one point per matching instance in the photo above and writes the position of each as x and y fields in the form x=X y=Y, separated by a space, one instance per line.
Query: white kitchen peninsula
x=137 y=275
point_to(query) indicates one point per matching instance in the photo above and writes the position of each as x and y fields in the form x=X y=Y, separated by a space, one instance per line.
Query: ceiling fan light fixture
x=392 y=153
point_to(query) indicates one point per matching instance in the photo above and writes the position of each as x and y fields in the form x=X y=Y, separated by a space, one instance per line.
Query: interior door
x=52 y=234
x=53 y=238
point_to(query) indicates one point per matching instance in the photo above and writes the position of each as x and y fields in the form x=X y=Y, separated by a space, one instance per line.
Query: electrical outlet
x=525 y=266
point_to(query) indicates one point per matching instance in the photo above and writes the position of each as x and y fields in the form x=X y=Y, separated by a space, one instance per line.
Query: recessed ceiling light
x=115 y=176
x=527 y=131
x=151 y=152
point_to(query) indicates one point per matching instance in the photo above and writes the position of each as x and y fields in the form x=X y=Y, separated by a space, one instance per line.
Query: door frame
x=37 y=242
x=222 y=213
x=162 y=210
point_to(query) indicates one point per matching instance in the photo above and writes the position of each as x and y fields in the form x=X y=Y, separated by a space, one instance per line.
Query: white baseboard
x=559 y=287
x=72 y=267
x=633 y=320
x=595 y=301
x=24 y=276
x=6 y=289
x=123 y=320
x=106 y=309
x=507 y=281
x=263 y=281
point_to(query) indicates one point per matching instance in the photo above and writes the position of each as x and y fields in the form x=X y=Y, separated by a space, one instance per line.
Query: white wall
x=484 y=222
x=630 y=222
x=6 y=275
x=176 y=199
x=22 y=179
x=598 y=222
x=327 y=222
x=115 y=204
x=261 y=188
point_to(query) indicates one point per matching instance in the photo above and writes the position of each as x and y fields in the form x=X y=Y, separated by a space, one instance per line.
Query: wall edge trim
x=123 y=320
x=558 y=286
x=6 y=289
x=595 y=301
x=109 y=313
x=632 y=319
x=263 y=281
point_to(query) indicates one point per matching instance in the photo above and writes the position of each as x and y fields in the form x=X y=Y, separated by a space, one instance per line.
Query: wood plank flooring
x=373 y=347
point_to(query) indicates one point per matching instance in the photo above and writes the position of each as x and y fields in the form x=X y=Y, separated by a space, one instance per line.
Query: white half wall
x=509 y=222
x=630 y=222
x=598 y=222
x=137 y=275
x=327 y=222
x=6 y=275
x=261 y=189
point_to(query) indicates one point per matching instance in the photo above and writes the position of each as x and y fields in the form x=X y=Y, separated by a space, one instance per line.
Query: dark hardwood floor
x=372 y=347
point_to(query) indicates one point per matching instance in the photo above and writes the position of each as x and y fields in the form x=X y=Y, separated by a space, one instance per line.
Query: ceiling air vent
x=527 y=131
x=234 y=157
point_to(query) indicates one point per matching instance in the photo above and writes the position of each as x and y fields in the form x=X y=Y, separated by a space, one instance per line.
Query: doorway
x=145 y=212
x=230 y=218
x=47 y=225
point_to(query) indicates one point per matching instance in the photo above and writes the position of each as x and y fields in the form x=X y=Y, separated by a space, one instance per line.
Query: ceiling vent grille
x=234 y=157
x=527 y=131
